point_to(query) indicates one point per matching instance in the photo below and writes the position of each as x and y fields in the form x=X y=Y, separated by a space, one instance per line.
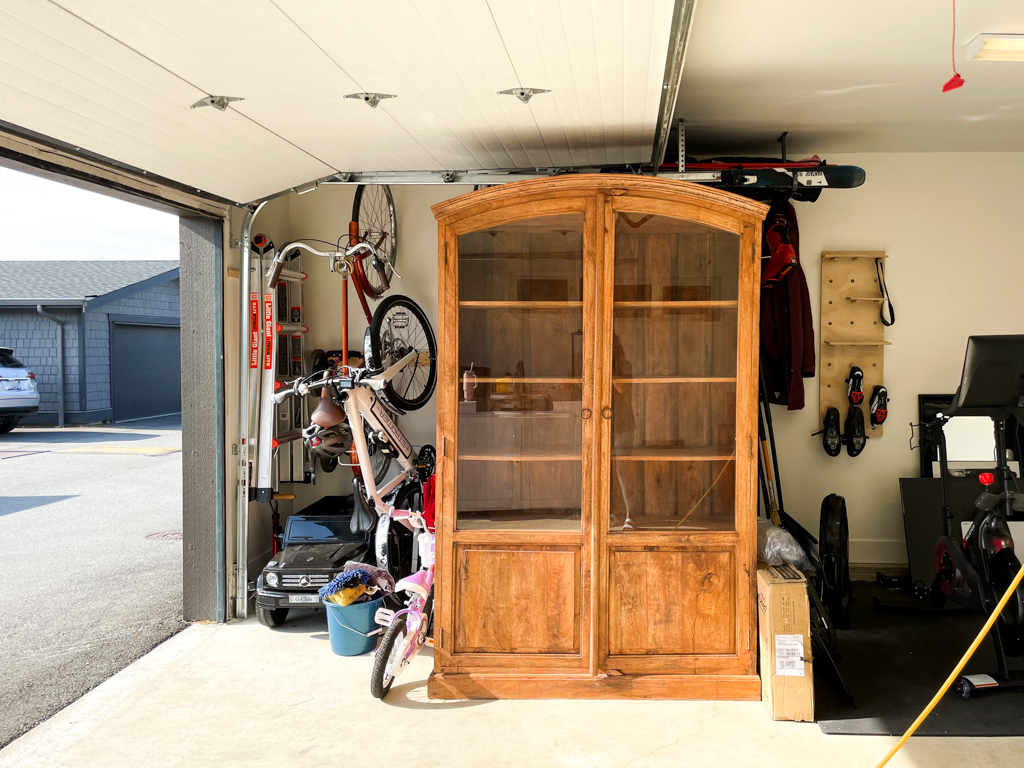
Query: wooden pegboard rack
x=852 y=332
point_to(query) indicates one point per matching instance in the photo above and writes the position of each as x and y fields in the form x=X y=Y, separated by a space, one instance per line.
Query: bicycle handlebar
x=274 y=273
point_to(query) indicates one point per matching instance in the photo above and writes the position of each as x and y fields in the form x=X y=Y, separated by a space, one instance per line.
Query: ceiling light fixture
x=373 y=99
x=523 y=94
x=219 y=103
x=991 y=46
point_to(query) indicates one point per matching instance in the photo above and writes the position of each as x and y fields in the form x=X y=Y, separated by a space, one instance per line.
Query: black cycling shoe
x=855 y=390
x=854 y=431
x=879 y=407
x=831 y=440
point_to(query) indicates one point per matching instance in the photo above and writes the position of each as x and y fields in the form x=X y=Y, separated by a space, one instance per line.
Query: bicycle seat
x=327 y=414
x=930 y=410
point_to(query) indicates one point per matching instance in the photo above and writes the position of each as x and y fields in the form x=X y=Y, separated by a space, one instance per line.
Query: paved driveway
x=87 y=588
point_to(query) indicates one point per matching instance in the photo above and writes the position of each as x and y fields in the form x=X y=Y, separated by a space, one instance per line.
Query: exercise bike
x=974 y=570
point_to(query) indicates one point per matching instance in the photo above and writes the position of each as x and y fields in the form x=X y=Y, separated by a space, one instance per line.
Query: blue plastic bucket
x=350 y=626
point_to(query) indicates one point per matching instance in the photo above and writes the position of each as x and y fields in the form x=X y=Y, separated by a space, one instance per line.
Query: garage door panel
x=118 y=77
x=145 y=370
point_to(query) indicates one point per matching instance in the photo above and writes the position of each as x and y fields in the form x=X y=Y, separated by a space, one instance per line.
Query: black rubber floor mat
x=894 y=662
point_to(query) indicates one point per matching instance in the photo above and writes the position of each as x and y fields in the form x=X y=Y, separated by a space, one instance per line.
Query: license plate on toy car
x=303 y=599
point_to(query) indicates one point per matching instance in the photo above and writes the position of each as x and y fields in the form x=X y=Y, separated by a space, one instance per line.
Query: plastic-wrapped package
x=776 y=545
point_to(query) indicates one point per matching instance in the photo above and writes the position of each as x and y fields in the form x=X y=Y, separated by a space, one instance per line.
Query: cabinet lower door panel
x=670 y=602
x=523 y=600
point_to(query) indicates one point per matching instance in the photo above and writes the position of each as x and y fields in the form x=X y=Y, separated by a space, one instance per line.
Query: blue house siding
x=34 y=341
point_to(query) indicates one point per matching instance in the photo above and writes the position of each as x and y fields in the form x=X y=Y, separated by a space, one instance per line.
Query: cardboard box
x=784 y=635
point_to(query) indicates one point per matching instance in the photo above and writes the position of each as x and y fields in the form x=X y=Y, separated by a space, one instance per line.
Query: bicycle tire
x=387 y=347
x=373 y=208
x=834 y=554
x=379 y=686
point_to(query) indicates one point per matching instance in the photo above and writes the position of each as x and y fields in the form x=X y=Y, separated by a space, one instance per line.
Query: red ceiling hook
x=955 y=81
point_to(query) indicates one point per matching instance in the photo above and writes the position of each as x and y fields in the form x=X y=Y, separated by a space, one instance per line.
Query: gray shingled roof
x=75 y=280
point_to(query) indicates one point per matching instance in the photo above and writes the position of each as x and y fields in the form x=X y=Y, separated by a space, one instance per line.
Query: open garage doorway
x=91 y=487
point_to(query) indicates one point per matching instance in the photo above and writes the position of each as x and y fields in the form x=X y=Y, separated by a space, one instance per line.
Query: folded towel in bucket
x=345 y=588
x=378 y=577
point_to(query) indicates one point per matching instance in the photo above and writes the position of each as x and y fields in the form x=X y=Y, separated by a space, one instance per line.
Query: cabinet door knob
x=606 y=412
x=586 y=413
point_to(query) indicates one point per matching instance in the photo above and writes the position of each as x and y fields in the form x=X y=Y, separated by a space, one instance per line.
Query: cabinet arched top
x=593 y=184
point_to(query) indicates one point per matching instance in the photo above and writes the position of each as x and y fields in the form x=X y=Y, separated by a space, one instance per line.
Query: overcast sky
x=43 y=219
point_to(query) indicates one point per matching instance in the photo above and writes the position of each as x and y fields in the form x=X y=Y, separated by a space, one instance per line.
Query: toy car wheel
x=7 y=425
x=272 y=617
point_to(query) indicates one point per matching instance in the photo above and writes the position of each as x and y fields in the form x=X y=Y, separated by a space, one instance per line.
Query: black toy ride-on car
x=315 y=550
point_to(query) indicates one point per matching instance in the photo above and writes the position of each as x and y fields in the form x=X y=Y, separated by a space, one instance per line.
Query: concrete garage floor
x=85 y=592
x=243 y=695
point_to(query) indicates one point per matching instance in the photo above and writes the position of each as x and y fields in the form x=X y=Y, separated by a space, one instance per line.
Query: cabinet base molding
x=519 y=686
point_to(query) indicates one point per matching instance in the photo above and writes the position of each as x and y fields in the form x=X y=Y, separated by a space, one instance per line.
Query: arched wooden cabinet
x=597 y=427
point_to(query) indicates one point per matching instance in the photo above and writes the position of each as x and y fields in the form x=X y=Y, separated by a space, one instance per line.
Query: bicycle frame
x=363 y=407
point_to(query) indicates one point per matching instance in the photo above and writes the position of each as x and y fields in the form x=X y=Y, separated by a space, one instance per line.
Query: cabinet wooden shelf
x=674 y=304
x=691 y=525
x=675 y=380
x=534 y=454
x=529 y=380
x=520 y=304
x=656 y=453
x=611 y=322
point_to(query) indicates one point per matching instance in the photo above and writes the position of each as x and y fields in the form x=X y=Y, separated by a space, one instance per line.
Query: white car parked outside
x=19 y=396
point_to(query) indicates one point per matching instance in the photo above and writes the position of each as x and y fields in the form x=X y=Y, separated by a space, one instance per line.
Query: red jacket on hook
x=787 y=331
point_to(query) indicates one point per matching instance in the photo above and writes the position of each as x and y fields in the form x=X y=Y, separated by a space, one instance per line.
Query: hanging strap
x=880 y=271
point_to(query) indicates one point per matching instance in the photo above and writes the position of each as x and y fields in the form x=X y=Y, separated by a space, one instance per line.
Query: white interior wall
x=948 y=223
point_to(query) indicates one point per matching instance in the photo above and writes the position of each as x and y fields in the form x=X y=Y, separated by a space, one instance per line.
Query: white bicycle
x=401 y=372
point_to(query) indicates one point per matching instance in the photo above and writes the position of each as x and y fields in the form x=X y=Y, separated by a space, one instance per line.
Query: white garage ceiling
x=117 y=78
x=861 y=76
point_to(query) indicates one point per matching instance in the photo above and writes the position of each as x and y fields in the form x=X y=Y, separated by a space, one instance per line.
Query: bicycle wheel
x=398 y=328
x=374 y=209
x=387 y=659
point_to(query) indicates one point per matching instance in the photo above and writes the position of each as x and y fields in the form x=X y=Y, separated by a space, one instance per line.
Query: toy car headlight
x=272 y=580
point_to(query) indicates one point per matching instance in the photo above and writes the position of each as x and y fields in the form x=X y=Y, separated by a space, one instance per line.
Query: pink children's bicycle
x=406 y=629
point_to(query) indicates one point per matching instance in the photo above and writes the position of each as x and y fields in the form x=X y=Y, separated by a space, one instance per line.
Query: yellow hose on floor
x=956 y=670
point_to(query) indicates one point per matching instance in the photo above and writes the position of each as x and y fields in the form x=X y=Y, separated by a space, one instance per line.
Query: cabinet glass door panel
x=536 y=259
x=658 y=258
x=677 y=342
x=674 y=365
x=503 y=343
x=521 y=352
